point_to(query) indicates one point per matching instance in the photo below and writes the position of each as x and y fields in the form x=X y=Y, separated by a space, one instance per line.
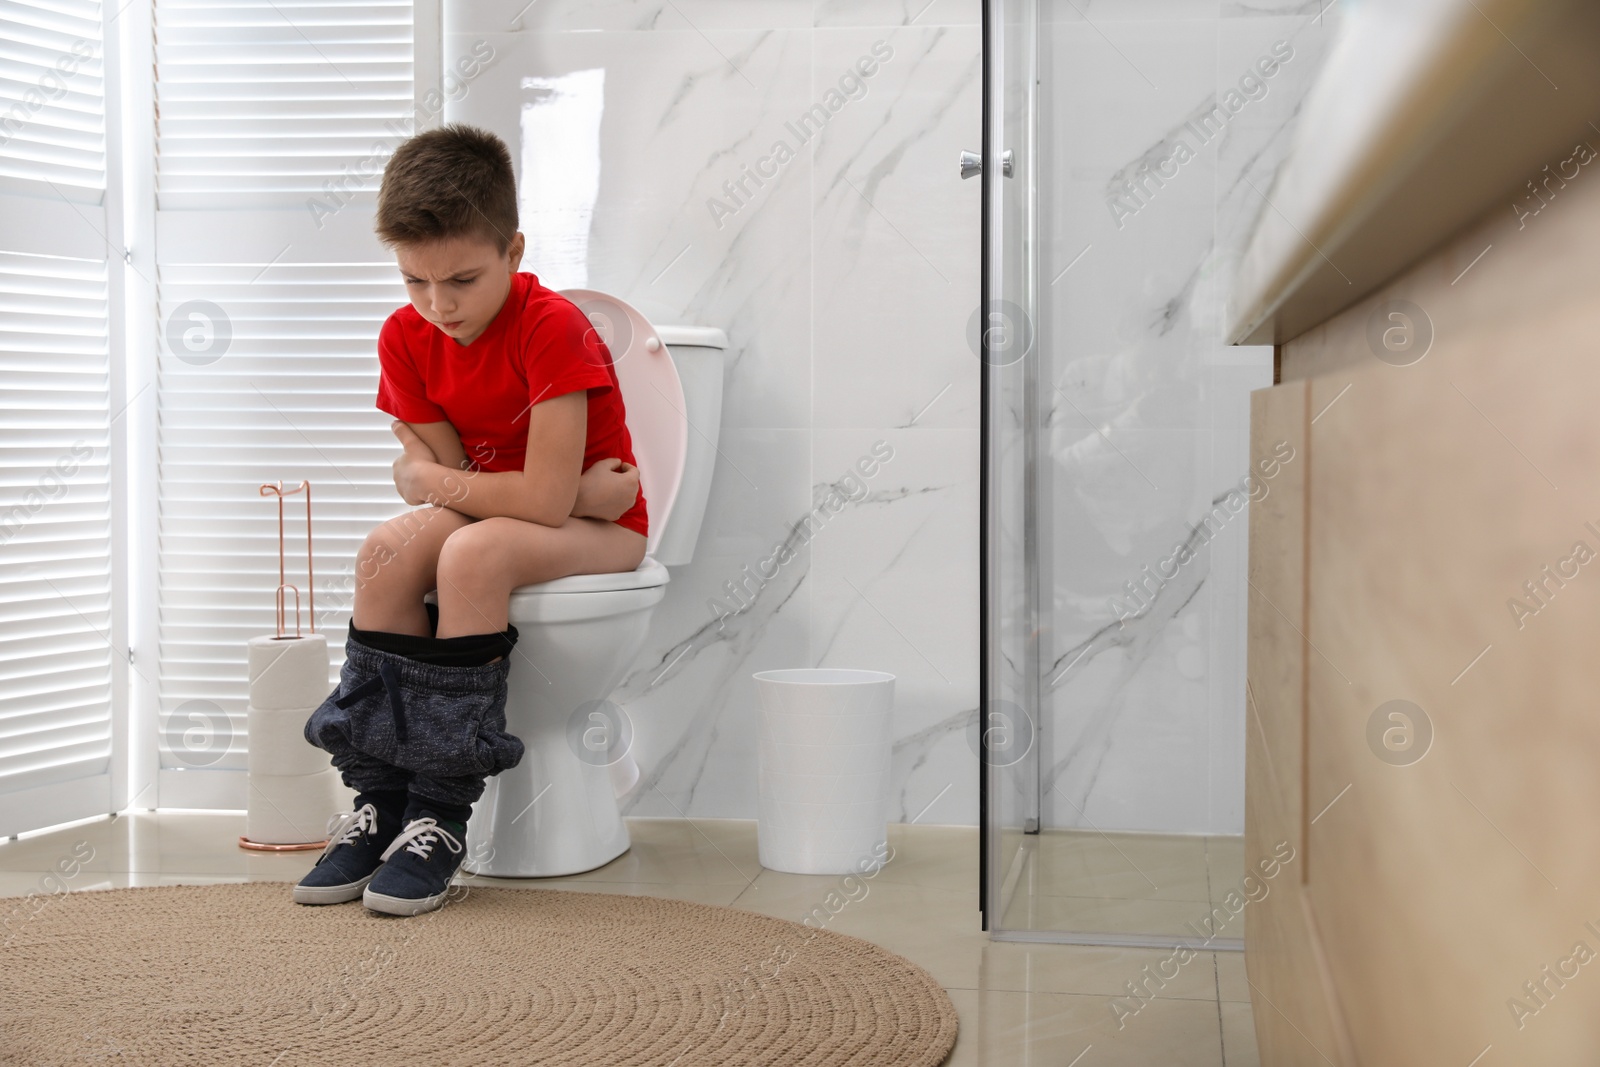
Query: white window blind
x=290 y=398
x=56 y=610
x=52 y=99
x=264 y=105
x=272 y=289
x=55 y=525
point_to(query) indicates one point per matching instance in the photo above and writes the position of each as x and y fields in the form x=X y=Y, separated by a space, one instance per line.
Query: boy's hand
x=409 y=467
x=607 y=490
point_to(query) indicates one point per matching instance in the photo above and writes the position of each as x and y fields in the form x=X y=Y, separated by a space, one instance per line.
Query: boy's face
x=459 y=283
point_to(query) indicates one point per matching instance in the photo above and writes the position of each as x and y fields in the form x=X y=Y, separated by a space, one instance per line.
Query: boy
x=513 y=434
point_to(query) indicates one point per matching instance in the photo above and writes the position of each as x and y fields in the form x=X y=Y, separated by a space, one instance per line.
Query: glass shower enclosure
x=1127 y=150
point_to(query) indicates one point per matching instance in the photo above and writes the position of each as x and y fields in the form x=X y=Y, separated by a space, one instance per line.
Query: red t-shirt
x=540 y=345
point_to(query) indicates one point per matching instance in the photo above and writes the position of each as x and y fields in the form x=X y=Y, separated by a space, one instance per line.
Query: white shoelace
x=344 y=827
x=419 y=837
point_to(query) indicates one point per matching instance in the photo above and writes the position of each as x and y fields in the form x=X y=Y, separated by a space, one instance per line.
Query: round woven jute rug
x=240 y=974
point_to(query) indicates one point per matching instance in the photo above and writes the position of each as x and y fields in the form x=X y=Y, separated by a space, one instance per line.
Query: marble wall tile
x=895 y=230
x=681 y=114
x=547 y=16
x=897 y=13
x=894 y=587
x=677 y=123
x=690 y=696
x=845 y=278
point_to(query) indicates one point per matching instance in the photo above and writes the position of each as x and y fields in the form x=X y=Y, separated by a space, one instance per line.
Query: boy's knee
x=379 y=557
x=392 y=548
x=479 y=551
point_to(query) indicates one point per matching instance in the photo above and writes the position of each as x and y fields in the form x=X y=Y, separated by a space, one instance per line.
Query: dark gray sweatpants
x=395 y=723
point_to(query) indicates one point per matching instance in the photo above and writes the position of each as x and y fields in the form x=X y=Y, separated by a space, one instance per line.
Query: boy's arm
x=445 y=442
x=545 y=491
x=605 y=491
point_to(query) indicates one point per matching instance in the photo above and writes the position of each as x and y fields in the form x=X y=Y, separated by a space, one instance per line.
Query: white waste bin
x=823 y=769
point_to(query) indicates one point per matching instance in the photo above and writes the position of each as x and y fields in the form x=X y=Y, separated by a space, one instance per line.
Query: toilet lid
x=657 y=414
x=646 y=575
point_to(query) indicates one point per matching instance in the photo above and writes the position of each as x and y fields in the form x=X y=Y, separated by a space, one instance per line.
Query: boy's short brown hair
x=454 y=181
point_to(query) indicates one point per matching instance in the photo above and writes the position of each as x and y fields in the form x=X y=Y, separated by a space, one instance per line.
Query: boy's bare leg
x=396 y=568
x=480 y=564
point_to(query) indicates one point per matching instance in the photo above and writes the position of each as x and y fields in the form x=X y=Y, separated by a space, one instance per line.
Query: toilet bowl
x=556 y=812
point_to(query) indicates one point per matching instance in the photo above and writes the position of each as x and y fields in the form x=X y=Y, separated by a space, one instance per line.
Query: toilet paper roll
x=291 y=673
x=277 y=743
x=294 y=809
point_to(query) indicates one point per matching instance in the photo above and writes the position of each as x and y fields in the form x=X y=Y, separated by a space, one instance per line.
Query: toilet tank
x=697 y=354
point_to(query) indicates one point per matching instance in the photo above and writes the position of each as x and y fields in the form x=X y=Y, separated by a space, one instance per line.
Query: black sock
x=466 y=650
x=391 y=805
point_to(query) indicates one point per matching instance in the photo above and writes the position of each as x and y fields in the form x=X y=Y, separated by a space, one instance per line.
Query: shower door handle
x=972 y=163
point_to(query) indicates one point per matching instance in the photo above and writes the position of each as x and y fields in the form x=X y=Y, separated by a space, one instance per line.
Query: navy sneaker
x=415 y=876
x=355 y=851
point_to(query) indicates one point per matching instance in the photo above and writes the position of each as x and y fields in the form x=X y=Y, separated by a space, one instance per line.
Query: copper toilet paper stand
x=311 y=609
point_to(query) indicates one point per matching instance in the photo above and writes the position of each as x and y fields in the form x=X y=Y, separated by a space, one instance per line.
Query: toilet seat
x=647 y=575
x=577 y=597
x=603 y=594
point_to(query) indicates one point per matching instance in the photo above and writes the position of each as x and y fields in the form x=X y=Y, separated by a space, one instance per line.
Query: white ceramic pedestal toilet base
x=549 y=815
x=555 y=813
